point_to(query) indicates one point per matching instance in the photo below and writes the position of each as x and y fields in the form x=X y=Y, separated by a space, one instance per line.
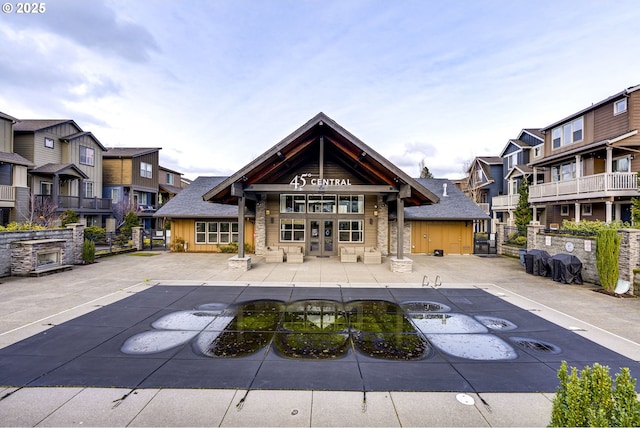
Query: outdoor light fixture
x=267 y=212
x=375 y=213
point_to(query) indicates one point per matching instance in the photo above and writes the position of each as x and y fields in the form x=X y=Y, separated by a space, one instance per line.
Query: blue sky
x=216 y=83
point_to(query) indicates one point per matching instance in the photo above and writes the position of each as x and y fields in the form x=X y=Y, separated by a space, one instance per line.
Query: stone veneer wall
x=583 y=248
x=73 y=237
x=393 y=241
x=383 y=227
x=261 y=228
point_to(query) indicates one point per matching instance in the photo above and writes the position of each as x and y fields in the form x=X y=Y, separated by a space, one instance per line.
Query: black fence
x=154 y=239
x=484 y=243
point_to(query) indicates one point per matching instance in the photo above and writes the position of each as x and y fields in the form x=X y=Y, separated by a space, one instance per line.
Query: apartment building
x=589 y=163
x=14 y=189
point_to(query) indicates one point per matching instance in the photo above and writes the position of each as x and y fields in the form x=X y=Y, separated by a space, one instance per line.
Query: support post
x=400 y=240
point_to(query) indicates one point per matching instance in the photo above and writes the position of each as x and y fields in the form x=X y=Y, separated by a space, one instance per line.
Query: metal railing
x=585 y=187
x=76 y=202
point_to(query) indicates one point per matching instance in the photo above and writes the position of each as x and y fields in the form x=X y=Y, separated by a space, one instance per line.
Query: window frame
x=350 y=231
x=350 y=200
x=565 y=134
x=213 y=232
x=46 y=184
x=146 y=170
x=614 y=161
x=49 y=143
x=87 y=156
x=295 y=205
x=617 y=110
x=586 y=209
x=564 y=210
x=289 y=234
x=88 y=189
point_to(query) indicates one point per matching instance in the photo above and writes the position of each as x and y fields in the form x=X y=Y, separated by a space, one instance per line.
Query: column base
x=239 y=263
x=402 y=265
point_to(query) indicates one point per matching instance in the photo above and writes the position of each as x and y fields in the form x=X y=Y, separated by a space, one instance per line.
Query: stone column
x=77 y=239
x=261 y=227
x=629 y=253
x=138 y=238
x=383 y=227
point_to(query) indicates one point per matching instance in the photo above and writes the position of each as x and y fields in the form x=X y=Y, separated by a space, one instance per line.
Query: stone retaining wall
x=73 y=236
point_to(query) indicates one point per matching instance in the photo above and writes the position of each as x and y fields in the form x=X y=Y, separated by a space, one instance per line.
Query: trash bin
x=438 y=253
x=522 y=252
x=537 y=262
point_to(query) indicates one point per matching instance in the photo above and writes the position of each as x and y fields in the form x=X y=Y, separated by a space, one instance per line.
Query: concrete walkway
x=32 y=305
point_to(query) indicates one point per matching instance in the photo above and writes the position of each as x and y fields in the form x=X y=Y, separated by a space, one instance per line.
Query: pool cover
x=408 y=339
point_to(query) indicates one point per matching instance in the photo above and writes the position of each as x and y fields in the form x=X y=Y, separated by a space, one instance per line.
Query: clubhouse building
x=323 y=191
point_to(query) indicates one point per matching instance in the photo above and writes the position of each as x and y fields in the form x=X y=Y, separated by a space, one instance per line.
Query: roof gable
x=129 y=152
x=321 y=134
x=35 y=125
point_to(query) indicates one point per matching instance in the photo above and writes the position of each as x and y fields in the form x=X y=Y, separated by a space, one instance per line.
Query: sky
x=216 y=83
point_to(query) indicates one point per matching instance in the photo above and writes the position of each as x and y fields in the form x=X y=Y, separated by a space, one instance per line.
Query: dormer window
x=569 y=133
x=620 y=106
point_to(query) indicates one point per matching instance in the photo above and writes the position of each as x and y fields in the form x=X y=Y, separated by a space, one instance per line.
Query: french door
x=322 y=238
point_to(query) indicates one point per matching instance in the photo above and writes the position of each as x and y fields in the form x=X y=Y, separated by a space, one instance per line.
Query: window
x=88 y=189
x=351 y=204
x=564 y=210
x=169 y=178
x=620 y=106
x=568 y=133
x=586 y=209
x=213 y=232
x=350 y=230
x=621 y=165
x=115 y=194
x=563 y=172
x=322 y=203
x=45 y=188
x=292 y=203
x=537 y=151
x=86 y=156
x=146 y=170
x=513 y=187
x=48 y=143
x=512 y=160
x=292 y=230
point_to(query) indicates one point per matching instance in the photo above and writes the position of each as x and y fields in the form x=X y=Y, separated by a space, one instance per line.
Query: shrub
x=130 y=221
x=177 y=245
x=16 y=227
x=69 y=216
x=88 y=251
x=591 y=399
x=95 y=234
x=607 y=252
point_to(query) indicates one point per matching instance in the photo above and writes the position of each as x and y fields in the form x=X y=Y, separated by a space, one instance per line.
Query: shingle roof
x=14 y=158
x=32 y=125
x=189 y=203
x=7 y=117
x=128 y=152
x=455 y=206
x=57 y=168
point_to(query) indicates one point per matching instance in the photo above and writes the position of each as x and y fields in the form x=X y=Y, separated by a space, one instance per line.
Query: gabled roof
x=129 y=152
x=7 y=117
x=83 y=134
x=592 y=107
x=455 y=206
x=168 y=188
x=535 y=132
x=60 y=169
x=33 y=125
x=341 y=147
x=164 y=168
x=518 y=171
x=15 y=158
x=190 y=204
x=490 y=160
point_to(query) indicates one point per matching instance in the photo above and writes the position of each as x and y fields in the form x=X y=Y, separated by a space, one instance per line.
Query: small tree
x=424 y=170
x=130 y=221
x=607 y=252
x=523 y=212
x=88 y=251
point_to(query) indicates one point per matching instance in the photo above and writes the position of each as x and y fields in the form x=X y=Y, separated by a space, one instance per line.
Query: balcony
x=505 y=202
x=7 y=194
x=591 y=186
x=484 y=206
x=77 y=203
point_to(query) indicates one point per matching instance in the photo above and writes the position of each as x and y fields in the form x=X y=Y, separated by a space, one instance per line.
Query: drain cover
x=536 y=345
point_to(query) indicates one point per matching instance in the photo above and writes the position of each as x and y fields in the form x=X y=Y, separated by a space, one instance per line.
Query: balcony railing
x=504 y=202
x=7 y=193
x=597 y=185
x=76 y=202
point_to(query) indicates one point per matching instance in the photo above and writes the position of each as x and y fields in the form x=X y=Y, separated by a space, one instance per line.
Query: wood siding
x=117 y=172
x=6 y=136
x=454 y=237
x=138 y=179
x=606 y=125
x=186 y=229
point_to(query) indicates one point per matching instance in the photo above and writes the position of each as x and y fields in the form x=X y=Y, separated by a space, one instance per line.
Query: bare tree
x=122 y=208
x=470 y=187
x=42 y=210
x=424 y=170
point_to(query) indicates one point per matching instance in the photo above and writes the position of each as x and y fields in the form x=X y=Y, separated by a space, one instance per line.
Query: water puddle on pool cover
x=326 y=329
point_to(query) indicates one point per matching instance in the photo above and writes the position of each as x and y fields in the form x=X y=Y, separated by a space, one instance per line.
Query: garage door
x=454 y=237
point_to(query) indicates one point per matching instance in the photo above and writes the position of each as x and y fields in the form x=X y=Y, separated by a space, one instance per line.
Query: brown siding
x=633 y=107
x=6 y=136
x=116 y=172
x=138 y=180
x=186 y=229
x=454 y=237
x=607 y=125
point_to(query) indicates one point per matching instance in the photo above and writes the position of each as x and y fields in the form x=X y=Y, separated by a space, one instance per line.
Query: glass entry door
x=321 y=241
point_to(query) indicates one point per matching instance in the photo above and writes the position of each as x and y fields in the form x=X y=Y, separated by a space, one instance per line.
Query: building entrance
x=322 y=238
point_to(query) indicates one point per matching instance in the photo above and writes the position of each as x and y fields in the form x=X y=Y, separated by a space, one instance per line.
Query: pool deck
x=29 y=306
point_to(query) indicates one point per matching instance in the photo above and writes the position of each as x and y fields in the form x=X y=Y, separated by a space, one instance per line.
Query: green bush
x=95 y=234
x=130 y=221
x=591 y=399
x=607 y=252
x=588 y=227
x=69 y=216
x=88 y=251
x=17 y=227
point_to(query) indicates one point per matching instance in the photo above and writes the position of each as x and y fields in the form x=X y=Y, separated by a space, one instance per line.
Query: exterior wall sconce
x=375 y=213
x=267 y=212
